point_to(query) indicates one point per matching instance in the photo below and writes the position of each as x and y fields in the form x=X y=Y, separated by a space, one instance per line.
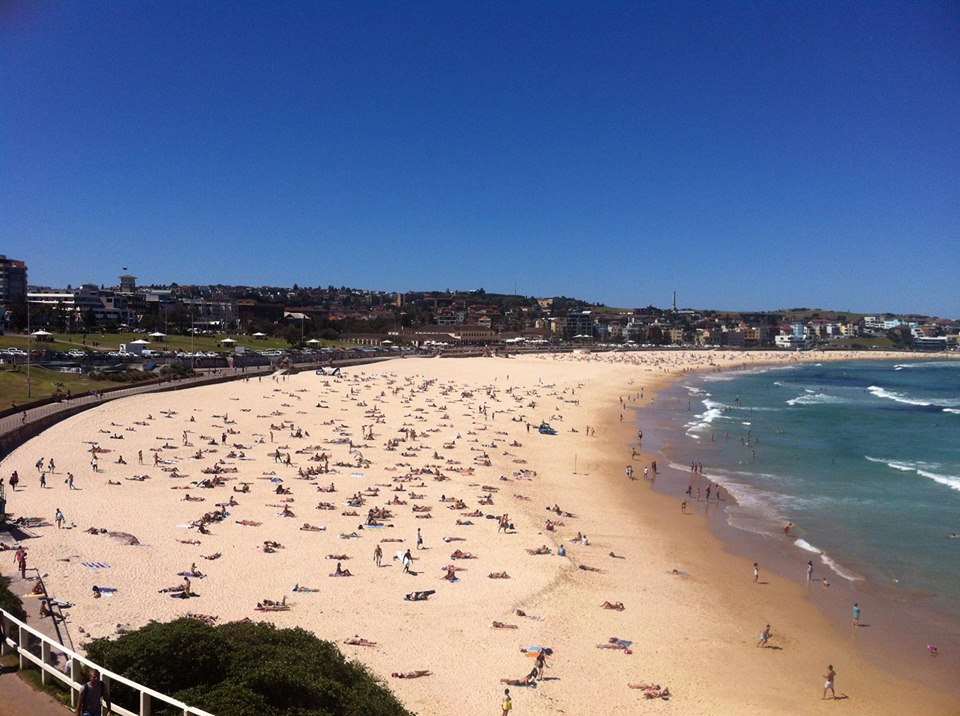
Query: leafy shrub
x=10 y=602
x=244 y=668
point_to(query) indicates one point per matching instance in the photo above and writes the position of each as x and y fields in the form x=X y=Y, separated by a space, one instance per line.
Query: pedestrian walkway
x=19 y=698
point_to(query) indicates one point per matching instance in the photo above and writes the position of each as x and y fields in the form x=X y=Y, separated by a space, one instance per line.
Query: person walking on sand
x=810 y=571
x=419 y=539
x=59 y=518
x=764 y=636
x=828 y=680
x=407 y=559
x=856 y=614
x=756 y=572
x=507 y=702
x=377 y=555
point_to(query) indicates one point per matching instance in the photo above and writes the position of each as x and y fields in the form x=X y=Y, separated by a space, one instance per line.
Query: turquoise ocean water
x=863 y=457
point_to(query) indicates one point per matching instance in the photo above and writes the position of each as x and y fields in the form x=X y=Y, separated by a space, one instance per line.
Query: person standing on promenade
x=756 y=572
x=92 y=696
x=856 y=614
x=507 y=702
x=828 y=680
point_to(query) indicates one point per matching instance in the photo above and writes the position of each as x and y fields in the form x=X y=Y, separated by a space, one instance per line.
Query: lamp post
x=29 y=336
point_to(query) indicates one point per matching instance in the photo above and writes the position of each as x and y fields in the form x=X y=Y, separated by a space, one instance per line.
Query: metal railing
x=41 y=651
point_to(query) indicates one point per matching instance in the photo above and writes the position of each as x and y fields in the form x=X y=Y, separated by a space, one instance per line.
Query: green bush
x=244 y=668
x=10 y=602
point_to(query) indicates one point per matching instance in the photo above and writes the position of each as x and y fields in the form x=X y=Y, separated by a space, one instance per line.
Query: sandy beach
x=443 y=448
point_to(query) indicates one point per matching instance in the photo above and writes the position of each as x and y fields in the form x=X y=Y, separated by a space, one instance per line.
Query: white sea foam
x=879 y=392
x=924 y=469
x=837 y=569
x=812 y=398
x=951 y=481
x=840 y=571
x=951 y=410
x=803 y=544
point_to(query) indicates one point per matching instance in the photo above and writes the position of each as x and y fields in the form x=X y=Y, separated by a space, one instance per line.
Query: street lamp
x=29 y=336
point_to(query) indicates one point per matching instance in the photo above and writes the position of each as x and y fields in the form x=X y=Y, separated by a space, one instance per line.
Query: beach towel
x=96 y=565
x=534 y=649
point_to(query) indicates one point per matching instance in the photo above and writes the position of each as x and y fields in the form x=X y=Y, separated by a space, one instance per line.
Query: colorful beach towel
x=96 y=565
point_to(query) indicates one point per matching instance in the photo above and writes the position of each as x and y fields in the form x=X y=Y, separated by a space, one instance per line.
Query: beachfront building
x=792 y=341
x=578 y=323
x=13 y=281
x=87 y=306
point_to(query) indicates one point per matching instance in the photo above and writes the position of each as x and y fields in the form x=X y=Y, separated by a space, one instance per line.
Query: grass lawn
x=112 y=341
x=13 y=384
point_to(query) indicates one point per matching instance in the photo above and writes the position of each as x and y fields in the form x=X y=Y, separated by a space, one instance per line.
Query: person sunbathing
x=613 y=605
x=528 y=680
x=337 y=556
x=300 y=588
x=460 y=554
x=498 y=575
x=652 y=691
x=215 y=555
x=411 y=674
x=615 y=643
x=359 y=641
x=501 y=625
x=340 y=572
x=271 y=607
x=540 y=550
x=249 y=523
x=421 y=596
x=307 y=527
x=586 y=568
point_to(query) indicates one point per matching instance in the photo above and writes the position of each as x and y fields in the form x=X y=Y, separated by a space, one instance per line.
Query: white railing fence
x=35 y=648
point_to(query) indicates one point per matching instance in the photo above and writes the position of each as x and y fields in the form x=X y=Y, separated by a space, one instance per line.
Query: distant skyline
x=749 y=155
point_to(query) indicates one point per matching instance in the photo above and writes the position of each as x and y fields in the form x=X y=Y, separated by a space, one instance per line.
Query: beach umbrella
x=227 y=341
x=158 y=334
x=140 y=342
x=312 y=342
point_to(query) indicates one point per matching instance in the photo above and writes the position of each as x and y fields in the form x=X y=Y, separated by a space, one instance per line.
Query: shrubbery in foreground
x=244 y=669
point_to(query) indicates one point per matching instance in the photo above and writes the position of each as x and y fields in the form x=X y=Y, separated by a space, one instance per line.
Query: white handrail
x=74 y=680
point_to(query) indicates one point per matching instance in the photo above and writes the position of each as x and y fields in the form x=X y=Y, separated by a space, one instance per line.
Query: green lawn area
x=112 y=341
x=13 y=384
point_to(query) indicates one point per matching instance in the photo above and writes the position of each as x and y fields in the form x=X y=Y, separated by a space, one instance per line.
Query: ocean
x=862 y=457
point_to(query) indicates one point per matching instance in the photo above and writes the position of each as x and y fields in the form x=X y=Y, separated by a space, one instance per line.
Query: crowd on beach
x=376 y=472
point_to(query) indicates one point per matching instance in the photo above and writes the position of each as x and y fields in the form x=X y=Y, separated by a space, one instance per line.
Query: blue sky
x=749 y=155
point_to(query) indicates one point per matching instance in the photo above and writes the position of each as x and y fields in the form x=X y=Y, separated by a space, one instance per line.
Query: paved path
x=19 y=698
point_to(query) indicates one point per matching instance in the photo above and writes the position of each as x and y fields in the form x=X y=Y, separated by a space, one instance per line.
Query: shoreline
x=694 y=633
x=901 y=618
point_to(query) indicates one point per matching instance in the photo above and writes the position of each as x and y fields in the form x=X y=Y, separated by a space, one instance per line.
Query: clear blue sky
x=749 y=155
